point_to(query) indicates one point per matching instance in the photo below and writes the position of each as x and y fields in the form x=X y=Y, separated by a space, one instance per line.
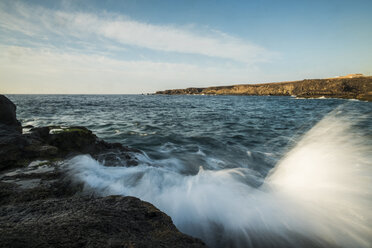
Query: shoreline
x=42 y=205
x=359 y=88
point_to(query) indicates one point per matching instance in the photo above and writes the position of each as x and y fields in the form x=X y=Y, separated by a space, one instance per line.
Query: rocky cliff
x=358 y=87
x=42 y=206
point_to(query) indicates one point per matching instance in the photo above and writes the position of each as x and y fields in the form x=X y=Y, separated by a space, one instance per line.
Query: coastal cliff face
x=42 y=206
x=350 y=88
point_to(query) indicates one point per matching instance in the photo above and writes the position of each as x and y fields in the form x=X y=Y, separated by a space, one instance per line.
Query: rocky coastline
x=353 y=86
x=41 y=206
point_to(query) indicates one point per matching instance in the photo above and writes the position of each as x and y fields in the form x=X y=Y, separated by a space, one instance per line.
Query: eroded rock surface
x=112 y=221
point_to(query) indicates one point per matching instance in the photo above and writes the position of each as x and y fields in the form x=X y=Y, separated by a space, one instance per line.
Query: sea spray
x=318 y=195
x=328 y=174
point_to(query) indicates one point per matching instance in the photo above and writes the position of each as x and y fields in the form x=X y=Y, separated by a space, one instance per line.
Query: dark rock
x=11 y=147
x=41 y=151
x=50 y=142
x=35 y=183
x=116 y=157
x=112 y=221
x=40 y=132
x=8 y=114
x=72 y=139
x=41 y=207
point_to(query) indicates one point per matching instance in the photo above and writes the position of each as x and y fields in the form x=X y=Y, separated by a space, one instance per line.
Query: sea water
x=235 y=171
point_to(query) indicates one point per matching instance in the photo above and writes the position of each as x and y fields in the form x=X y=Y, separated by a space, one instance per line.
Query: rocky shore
x=41 y=206
x=348 y=87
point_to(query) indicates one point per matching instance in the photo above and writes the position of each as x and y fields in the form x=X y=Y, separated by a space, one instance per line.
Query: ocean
x=235 y=171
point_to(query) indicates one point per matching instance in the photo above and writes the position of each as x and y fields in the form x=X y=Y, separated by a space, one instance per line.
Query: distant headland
x=352 y=86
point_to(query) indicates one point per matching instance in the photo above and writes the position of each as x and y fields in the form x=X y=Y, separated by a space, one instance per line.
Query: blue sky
x=139 y=46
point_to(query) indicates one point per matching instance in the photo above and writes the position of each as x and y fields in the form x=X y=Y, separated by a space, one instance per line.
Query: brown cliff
x=354 y=86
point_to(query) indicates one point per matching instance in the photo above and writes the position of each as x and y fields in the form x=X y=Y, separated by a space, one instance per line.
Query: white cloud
x=39 y=64
x=37 y=21
x=27 y=70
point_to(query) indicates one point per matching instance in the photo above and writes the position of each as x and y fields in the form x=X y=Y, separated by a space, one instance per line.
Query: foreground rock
x=358 y=87
x=42 y=206
x=113 y=221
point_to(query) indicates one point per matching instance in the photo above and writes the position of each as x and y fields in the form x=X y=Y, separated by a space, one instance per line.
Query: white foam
x=320 y=190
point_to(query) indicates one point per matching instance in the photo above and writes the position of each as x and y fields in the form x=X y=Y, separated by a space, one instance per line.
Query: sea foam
x=318 y=195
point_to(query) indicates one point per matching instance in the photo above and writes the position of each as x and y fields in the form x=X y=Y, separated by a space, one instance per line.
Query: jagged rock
x=8 y=114
x=11 y=139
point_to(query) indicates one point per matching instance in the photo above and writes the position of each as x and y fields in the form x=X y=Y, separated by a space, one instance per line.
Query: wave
x=318 y=195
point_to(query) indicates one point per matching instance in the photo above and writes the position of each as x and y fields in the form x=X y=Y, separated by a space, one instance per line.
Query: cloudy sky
x=135 y=46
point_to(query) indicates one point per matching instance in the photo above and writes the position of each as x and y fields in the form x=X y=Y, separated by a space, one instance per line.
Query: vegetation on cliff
x=353 y=86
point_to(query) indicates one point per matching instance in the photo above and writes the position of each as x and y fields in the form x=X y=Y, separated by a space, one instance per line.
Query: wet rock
x=11 y=147
x=11 y=139
x=72 y=139
x=8 y=114
x=40 y=206
x=39 y=180
x=112 y=221
x=42 y=151
x=40 y=132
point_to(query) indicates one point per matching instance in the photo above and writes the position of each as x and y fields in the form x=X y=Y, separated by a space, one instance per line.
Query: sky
x=137 y=46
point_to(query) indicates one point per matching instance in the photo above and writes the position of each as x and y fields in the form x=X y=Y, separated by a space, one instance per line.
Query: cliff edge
x=353 y=86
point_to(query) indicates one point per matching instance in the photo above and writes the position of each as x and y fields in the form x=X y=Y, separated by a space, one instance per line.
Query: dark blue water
x=222 y=127
x=208 y=159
